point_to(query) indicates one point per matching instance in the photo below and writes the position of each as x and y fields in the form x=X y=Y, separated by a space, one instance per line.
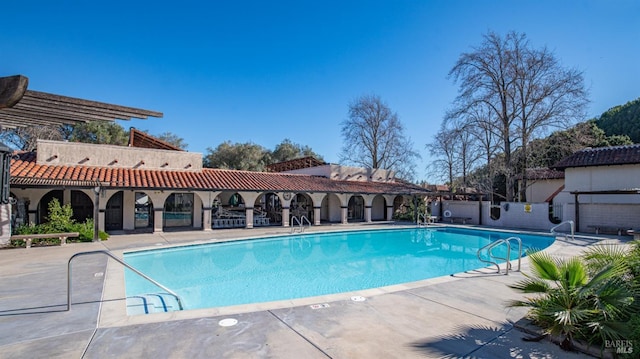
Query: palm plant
x=574 y=303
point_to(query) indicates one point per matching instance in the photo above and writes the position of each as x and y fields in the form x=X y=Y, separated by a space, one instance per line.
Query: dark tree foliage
x=99 y=132
x=548 y=151
x=622 y=120
x=237 y=156
x=173 y=139
x=287 y=150
x=253 y=157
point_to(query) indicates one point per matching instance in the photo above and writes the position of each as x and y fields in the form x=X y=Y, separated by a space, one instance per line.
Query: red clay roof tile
x=24 y=165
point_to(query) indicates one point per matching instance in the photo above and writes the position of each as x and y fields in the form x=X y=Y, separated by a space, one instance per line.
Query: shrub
x=60 y=219
x=590 y=298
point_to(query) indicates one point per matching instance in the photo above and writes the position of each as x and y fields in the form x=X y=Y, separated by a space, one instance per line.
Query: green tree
x=237 y=156
x=548 y=151
x=173 y=139
x=622 y=120
x=99 y=132
x=287 y=150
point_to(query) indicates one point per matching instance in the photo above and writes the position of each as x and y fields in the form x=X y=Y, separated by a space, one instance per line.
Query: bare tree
x=524 y=88
x=25 y=138
x=373 y=136
x=443 y=149
x=480 y=125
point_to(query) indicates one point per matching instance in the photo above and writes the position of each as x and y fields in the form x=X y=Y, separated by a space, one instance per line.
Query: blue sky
x=263 y=71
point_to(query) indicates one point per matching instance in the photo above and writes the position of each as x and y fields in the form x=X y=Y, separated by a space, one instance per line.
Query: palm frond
x=531 y=286
x=574 y=273
x=544 y=266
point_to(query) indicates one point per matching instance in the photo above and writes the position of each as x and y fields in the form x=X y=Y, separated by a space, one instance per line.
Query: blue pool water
x=297 y=266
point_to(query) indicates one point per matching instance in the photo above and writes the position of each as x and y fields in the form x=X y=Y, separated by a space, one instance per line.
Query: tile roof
x=24 y=166
x=141 y=139
x=602 y=156
x=295 y=164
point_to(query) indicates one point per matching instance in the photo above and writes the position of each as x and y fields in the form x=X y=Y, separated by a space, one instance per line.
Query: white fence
x=601 y=217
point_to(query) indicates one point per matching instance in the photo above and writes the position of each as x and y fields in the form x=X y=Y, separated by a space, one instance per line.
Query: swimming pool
x=297 y=266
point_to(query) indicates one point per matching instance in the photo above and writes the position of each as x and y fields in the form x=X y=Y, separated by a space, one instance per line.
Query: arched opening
x=398 y=203
x=113 y=212
x=19 y=211
x=143 y=211
x=178 y=210
x=379 y=209
x=267 y=210
x=302 y=205
x=330 y=209
x=355 y=209
x=228 y=211
x=82 y=206
x=43 y=205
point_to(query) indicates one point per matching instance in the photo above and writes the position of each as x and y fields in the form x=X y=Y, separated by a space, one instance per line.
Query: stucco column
x=316 y=216
x=5 y=224
x=285 y=216
x=101 y=219
x=344 y=210
x=157 y=219
x=389 y=213
x=367 y=213
x=33 y=216
x=206 y=218
x=248 y=211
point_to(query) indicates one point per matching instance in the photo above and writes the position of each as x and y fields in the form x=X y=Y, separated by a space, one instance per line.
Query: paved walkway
x=457 y=316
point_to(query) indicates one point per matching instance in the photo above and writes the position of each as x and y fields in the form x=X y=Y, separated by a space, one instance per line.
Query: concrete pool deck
x=462 y=315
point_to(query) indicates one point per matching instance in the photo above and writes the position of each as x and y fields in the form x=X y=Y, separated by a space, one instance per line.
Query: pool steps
x=161 y=296
x=152 y=303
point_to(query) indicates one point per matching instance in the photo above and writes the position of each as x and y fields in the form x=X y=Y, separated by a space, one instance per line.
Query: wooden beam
x=12 y=89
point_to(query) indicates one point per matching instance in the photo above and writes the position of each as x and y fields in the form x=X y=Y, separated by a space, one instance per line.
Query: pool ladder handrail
x=424 y=220
x=300 y=221
x=507 y=258
x=570 y=222
x=107 y=253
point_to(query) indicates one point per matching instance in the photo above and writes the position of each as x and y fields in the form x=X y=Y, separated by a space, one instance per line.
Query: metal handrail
x=509 y=253
x=507 y=258
x=124 y=264
x=570 y=222
x=300 y=223
x=488 y=248
x=424 y=220
x=295 y=219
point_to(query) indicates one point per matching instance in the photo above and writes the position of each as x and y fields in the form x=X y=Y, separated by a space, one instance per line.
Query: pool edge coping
x=113 y=309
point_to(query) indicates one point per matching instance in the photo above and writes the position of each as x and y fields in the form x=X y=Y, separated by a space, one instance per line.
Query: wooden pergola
x=20 y=107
